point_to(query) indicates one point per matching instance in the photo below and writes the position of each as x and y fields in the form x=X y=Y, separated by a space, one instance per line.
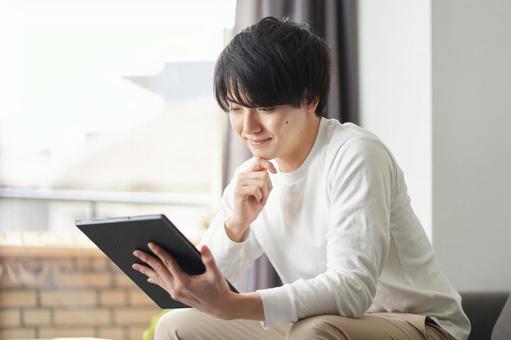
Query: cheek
x=287 y=130
x=283 y=126
x=236 y=124
x=280 y=123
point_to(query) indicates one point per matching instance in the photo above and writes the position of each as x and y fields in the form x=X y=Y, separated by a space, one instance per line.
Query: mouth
x=258 y=142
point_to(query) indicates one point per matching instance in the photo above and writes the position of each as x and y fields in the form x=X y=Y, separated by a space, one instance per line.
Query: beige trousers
x=190 y=324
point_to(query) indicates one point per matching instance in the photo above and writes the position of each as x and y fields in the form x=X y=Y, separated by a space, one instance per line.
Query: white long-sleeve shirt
x=342 y=236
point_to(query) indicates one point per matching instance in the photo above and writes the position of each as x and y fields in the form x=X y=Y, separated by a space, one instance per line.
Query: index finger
x=266 y=164
x=261 y=163
x=168 y=261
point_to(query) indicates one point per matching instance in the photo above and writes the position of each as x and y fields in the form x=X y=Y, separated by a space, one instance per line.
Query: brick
x=92 y=316
x=123 y=281
x=113 y=333
x=116 y=269
x=32 y=264
x=83 y=279
x=54 y=332
x=83 y=263
x=18 y=298
x=135 y=316
x=139 y=298
x=68 y=298
x=16 y=276
x=10 y=318
x=9 y=278
x=112 y=297
x=36 y=317
x=63 y=264
x=135 y=333
x=101 y=263
x=17 y=333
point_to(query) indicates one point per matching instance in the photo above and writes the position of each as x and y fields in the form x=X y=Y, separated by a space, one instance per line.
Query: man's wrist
x=248 y=306
x=235 y=231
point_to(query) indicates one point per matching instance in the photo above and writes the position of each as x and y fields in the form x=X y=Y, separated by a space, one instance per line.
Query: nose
x=251 y=124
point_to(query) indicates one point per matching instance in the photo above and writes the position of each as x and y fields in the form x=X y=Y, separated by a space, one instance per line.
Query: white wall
x=395 y=88
x=471 y=43
x=435 y=85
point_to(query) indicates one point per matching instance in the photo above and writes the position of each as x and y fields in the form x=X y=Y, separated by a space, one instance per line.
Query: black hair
x=273 y=62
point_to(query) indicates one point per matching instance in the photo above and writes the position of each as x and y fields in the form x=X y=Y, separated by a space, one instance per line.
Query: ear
x=311 y=107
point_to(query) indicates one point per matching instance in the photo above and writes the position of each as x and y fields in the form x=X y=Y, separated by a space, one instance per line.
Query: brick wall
x=48 y=293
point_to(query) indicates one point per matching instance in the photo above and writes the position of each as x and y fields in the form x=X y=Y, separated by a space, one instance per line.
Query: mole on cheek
x=287 y=122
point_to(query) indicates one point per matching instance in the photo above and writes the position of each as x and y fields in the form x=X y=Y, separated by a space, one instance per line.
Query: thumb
x=255 y=165
x=208 y=259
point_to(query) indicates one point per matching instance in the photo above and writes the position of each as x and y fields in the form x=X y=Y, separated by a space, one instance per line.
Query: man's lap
x=190 y=324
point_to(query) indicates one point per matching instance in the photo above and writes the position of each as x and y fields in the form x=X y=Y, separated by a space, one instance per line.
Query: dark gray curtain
x=333 y=20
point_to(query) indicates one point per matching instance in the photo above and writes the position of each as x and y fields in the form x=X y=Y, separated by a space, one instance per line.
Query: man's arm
x=236 y=233
x=245 y=306
x=229 y=236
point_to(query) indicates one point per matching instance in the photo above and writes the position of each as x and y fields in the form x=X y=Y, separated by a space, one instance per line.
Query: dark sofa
x=488 y=313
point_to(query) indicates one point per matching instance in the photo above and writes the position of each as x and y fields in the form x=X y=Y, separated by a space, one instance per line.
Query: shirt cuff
x=278 y=306
x=226 y=250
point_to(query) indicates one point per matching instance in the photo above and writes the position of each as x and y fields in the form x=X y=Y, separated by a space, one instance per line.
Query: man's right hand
x=250 y=196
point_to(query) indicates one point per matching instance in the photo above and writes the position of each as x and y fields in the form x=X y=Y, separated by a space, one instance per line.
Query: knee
x=173 y=325
x=315 y=328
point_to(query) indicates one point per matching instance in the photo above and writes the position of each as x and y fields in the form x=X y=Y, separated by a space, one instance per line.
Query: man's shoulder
x=348 y=137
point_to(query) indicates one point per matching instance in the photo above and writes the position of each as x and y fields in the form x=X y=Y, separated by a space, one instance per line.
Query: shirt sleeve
x=360 y=188
x=233 y=258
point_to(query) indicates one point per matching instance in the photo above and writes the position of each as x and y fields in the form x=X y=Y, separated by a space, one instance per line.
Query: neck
x=295 y=158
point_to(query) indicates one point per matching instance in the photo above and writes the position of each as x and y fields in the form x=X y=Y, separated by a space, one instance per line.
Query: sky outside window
x=80 y=96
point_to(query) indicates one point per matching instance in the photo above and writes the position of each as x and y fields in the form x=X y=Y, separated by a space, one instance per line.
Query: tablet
x=118 y=237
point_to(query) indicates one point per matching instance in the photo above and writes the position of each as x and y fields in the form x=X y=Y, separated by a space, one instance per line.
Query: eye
x=234 y=109
x=266 y=109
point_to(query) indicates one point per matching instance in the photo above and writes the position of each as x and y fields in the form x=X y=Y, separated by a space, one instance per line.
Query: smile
x=259 y=142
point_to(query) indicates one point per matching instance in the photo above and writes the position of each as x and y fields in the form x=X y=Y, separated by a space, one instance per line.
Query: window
x=106 y=109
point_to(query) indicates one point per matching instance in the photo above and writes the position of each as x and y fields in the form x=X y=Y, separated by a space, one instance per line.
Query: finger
x=265 y=192
x=155 y=264
x=147 y=271
x=262 y=164
x=152 y=276
x=250 y=177
x=270 y=184
x=261 y=184
x=267 y=165
x=255 y=165
x=209 y=261
x=250 y=191
x=252 y=182
x=169 y=262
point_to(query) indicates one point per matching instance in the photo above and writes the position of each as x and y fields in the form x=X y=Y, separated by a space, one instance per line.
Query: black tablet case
x=119 y=237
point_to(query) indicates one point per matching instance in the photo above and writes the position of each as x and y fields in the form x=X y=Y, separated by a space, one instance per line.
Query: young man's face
x=274 y=132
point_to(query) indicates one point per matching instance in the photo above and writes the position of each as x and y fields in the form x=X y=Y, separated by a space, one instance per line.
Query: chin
x=262 y=154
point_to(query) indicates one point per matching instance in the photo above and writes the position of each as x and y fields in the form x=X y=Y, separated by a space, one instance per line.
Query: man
x=325 y=201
